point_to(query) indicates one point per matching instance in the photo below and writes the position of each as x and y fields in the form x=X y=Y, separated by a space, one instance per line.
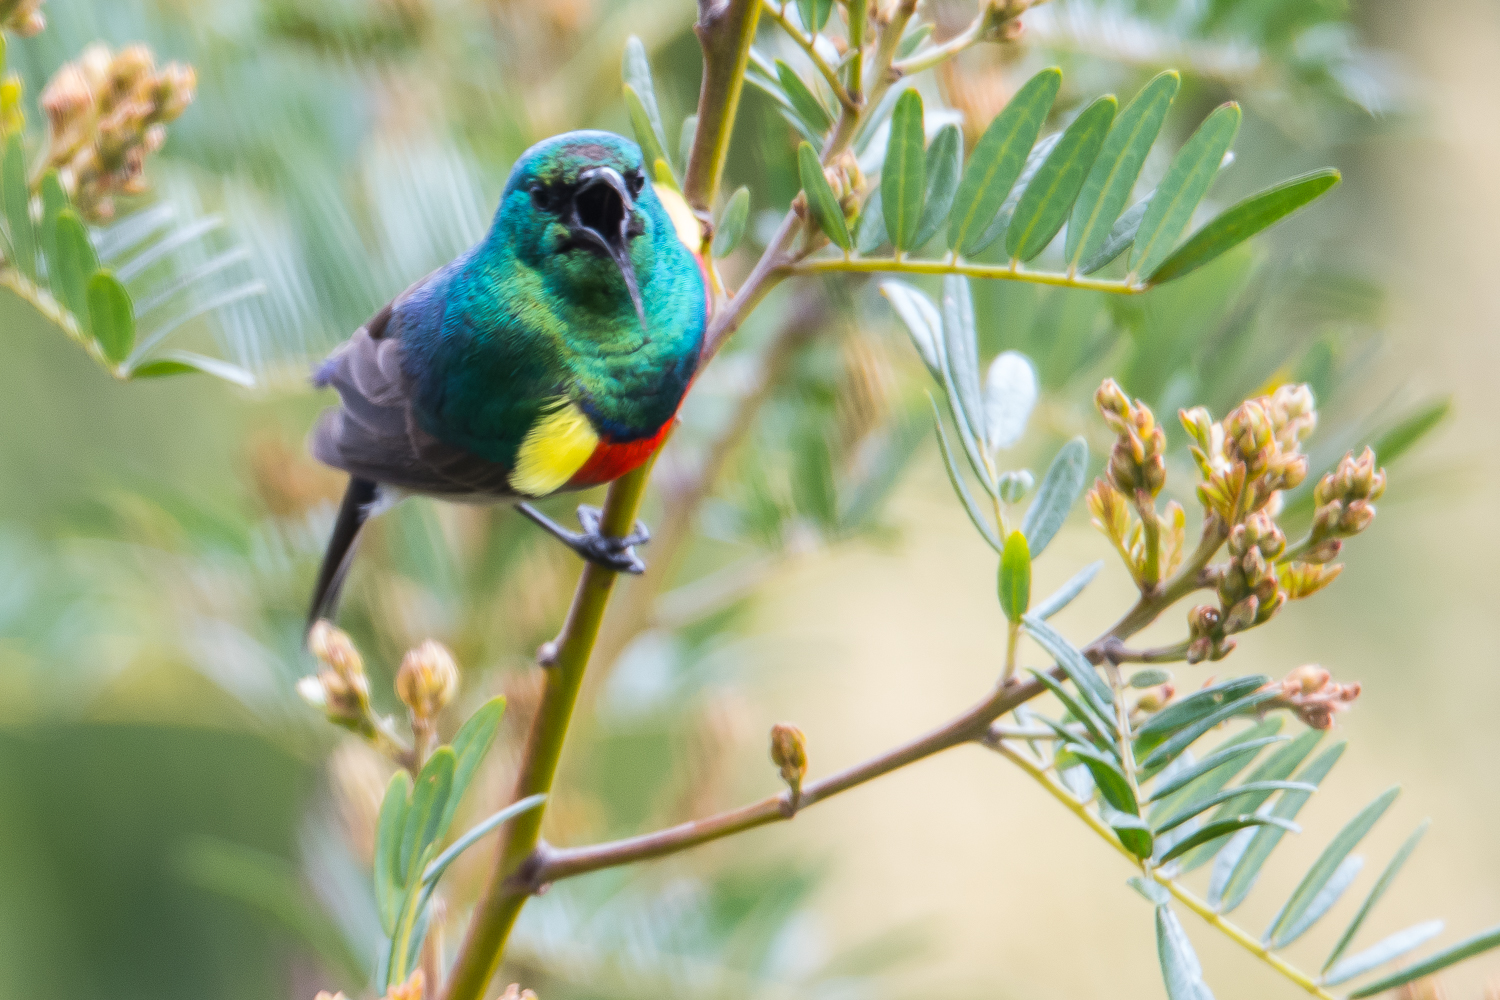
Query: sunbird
x=551 y=356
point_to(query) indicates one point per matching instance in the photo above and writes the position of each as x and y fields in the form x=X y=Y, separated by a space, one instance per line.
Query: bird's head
x=574 y=210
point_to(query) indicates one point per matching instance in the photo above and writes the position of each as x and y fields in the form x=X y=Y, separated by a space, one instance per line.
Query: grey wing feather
x=374 y=433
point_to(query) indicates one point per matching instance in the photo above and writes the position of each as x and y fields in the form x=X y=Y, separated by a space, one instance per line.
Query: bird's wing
x=374 y=434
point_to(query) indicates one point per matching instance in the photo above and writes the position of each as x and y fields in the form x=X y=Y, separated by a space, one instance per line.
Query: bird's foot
x=591 y=543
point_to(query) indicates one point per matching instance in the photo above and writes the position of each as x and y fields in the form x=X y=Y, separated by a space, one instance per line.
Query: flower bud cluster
x=846 y=181
x=1138 y=461
x=340 y=687
x=1256 y=448
x=24 y=17
x=106 y=112
x=1314 y=696
x=1249 y=593
x=427 y=680
x=1344 y=500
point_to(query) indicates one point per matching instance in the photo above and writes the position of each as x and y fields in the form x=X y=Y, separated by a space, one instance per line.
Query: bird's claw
x=610 y=551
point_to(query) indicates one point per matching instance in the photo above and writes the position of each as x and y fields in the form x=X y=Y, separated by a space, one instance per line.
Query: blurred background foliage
x=174 y=823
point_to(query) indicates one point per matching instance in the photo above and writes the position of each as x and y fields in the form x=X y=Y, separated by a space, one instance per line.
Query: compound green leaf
x=1063 y=596
x=903 y=178
x=470 y=745
x=1194 y=708
x=1079 y=670
x=804 y=101
x=1185 y=738
x=1229 y=794
x=1213 y=761
x=945 y=161
x=1015 y=577
x=1080 y=709
x=1475 y=945
x=1383 y=951
x=1241 y=221
x=1120 y=238
x=1056 y=496
x=1049 y=195
x=390 y=877
x=429 y=802
x=1186 y=182
x=1109 y=779
x=17 y=198
x=731 y=227
x=1229 y=887
x=635 y=72
x=1222 y=828
x=1180 y=969
x=869 y=232
x=76 y=263
x=1327 y=865
x=111 y=316
x=1343 y=877
x=998 y=158
x=1118 y=165
x=821 y=203
x=54 y=200
x=955 y=477
x=652 y=150
x=1381 y=885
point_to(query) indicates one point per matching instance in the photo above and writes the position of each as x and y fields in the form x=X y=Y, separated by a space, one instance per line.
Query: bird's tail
x=359 y=497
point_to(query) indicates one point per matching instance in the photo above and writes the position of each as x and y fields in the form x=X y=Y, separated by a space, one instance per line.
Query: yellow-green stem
x=1004 y=272
x=496 y=912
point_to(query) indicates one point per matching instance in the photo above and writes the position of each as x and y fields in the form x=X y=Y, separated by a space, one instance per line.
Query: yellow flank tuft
x=683 y=219
x=556 y=447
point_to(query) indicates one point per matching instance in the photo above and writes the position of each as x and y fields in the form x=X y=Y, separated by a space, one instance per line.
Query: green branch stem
x=1004 y=272
x=498 y=907
x=1230 y=930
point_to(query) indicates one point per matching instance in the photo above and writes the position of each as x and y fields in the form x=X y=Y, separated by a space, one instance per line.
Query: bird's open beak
x=602 y=210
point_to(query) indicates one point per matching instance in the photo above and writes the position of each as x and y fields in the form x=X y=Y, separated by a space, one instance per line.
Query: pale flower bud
x=427 y=680
x=789 y=754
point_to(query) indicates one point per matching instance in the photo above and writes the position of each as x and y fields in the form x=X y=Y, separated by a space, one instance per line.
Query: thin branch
x=551 y=863
x=1188 y=899
x=807 y=45
x=1004 y=272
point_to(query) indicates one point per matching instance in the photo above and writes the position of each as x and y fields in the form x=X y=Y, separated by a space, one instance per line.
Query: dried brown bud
x=427 y=680
x=1312 y=694
x=789 y=754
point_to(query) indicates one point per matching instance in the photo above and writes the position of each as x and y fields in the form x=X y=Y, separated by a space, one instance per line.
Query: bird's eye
x=636 y=181
x=538 y=196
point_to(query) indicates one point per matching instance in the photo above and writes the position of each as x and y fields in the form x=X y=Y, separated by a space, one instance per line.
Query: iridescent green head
x=575 y=210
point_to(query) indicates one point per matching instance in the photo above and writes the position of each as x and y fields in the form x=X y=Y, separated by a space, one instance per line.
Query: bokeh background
x=175 y=823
